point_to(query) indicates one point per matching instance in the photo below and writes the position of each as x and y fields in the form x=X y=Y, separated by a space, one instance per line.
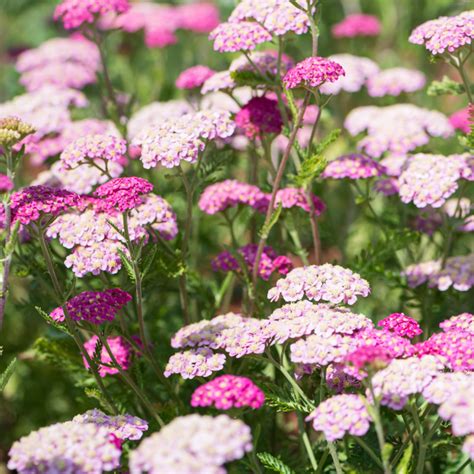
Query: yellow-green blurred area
x=39 y=392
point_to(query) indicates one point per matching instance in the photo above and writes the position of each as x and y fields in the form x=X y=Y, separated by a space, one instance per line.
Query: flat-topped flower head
x=331 y=283
x=120 y=348
x=183 y=138
x=95 y=307
x=242 y=36
x=353 y=166
x=199 y=362
x=65 y=447
x=230 y=193
x=123 y=194
x=357 y=68
x=228 y=391
x=368 y=357
x=312 y=72
x=194 y=77
x=401 y=324
x=192 y=444
x=458 y=410
x=295 y=197
x=269 y=263
x=446 y=384
x=340 y=415
x=463 y=322
x=75 y=13
x=398 y=129
x=258 y=117
x=357 y=24
x=220 y=81
x=122 y=427
x=446 y=34
x=91 y=148
x=395 y=81
x=32 y=203
x=265 y=61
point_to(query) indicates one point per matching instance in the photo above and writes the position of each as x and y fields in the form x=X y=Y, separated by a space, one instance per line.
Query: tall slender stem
x=335 y=459
x=306 y=442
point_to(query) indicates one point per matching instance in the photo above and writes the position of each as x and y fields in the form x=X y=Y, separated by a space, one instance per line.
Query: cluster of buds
x=13 y=130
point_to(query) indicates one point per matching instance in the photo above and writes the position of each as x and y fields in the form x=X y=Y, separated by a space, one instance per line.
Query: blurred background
x=41 y=392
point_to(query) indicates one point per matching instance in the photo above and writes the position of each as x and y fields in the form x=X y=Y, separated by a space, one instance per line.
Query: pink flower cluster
x=192 y=443
x=230 y=193
x=326 y=282
x=199 y=362
x=66 y=447
x=401 y=324
x=339 y=415
x=182 y=139
x=265 y=61
x=295 y=197
x=228 y=391
x=120 y=348
x=35 y=202
x=358 y=70
x=395 y=81
x=355 y=25
x=445 y=34
x=312 y=72
x=241 y=36
x=353 y=166
x=365 y=356
x=194 y=77
x=258 y=117
x=95 y=307
x=397 y=129
x=462 y=120
x=269 y=262
x=6 y=184
x=74 y=13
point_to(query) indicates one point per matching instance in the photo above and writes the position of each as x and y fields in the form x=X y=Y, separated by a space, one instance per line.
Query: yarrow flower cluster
x=327 y=282
x=121 y=350
x=355 y=25
x=397 y=128
x=93 y=148
x=461 y=120
x=313 y=72
x=339 y=415
x=220 y=81
x=95 y=307
x=458 y=272
x=200 y=362
x=445 y=34
x=194 y=77
x=295 y=197
x=265 y=61
x=13 y=130
x=458 y=409
x=269 y=262
x=6 y=184
x=74 y=13
x=395 y=81
x=445 y=385
x=242 y=36
x=182 y=139
x=85 y=448
x=357 y=69
x=401 y=324
x=228 y=391
x=122 y=427
x=192 y=443
x=258 y=117
x=353 y=166
x=33 y=203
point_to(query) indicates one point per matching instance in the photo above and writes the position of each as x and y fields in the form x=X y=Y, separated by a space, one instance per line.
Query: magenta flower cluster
x=401 y=324
x=357 y=24
x=228 y=391
x=259 y=116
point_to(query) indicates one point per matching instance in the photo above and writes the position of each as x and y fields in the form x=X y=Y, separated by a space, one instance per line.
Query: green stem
x=306 y=442
x=335 y=459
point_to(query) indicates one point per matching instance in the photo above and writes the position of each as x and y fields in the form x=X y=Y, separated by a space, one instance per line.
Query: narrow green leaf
x=403 y=467
x=274 y=464
x=127 y=264
x=7 y=373
x=265 y=231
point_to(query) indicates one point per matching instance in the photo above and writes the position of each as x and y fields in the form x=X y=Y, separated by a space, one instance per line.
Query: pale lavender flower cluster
x=182 y=139
x=397 y=128
x=192 y=444
x=339 y=415
x=459 y=409
x=358 y=70
x=395 y=81
x=242 y=36
x=404 y=377
x=446 y=384
x=61 y=62
x=445 y=34
x=327 y=282
x=123 y=427
x=353 y=166
x=220 y=81
x=265 y=61
x=65 y=447
x=312 y=72
x=199 y=362
x=429 y=180
x=458 y=272
x=463 y=322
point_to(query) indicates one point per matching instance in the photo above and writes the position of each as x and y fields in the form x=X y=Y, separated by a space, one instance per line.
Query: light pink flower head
x=462 y=120
x=395 y=81
x=354 y=166
x=355 y=25
x=194 y=77
x=313 y=72
x=198 y=17
x=243 y=36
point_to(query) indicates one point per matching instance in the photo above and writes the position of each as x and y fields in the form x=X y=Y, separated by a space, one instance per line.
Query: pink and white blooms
x=327 y=282
x=445 y=34
x=228 y=391
x=357 y=24
x=194 y=77
x=192 y=443
x=66 y=447
x=395 y=81
x=339 y=415
x=242 y=36
x=266 y=63
x=355 y=166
